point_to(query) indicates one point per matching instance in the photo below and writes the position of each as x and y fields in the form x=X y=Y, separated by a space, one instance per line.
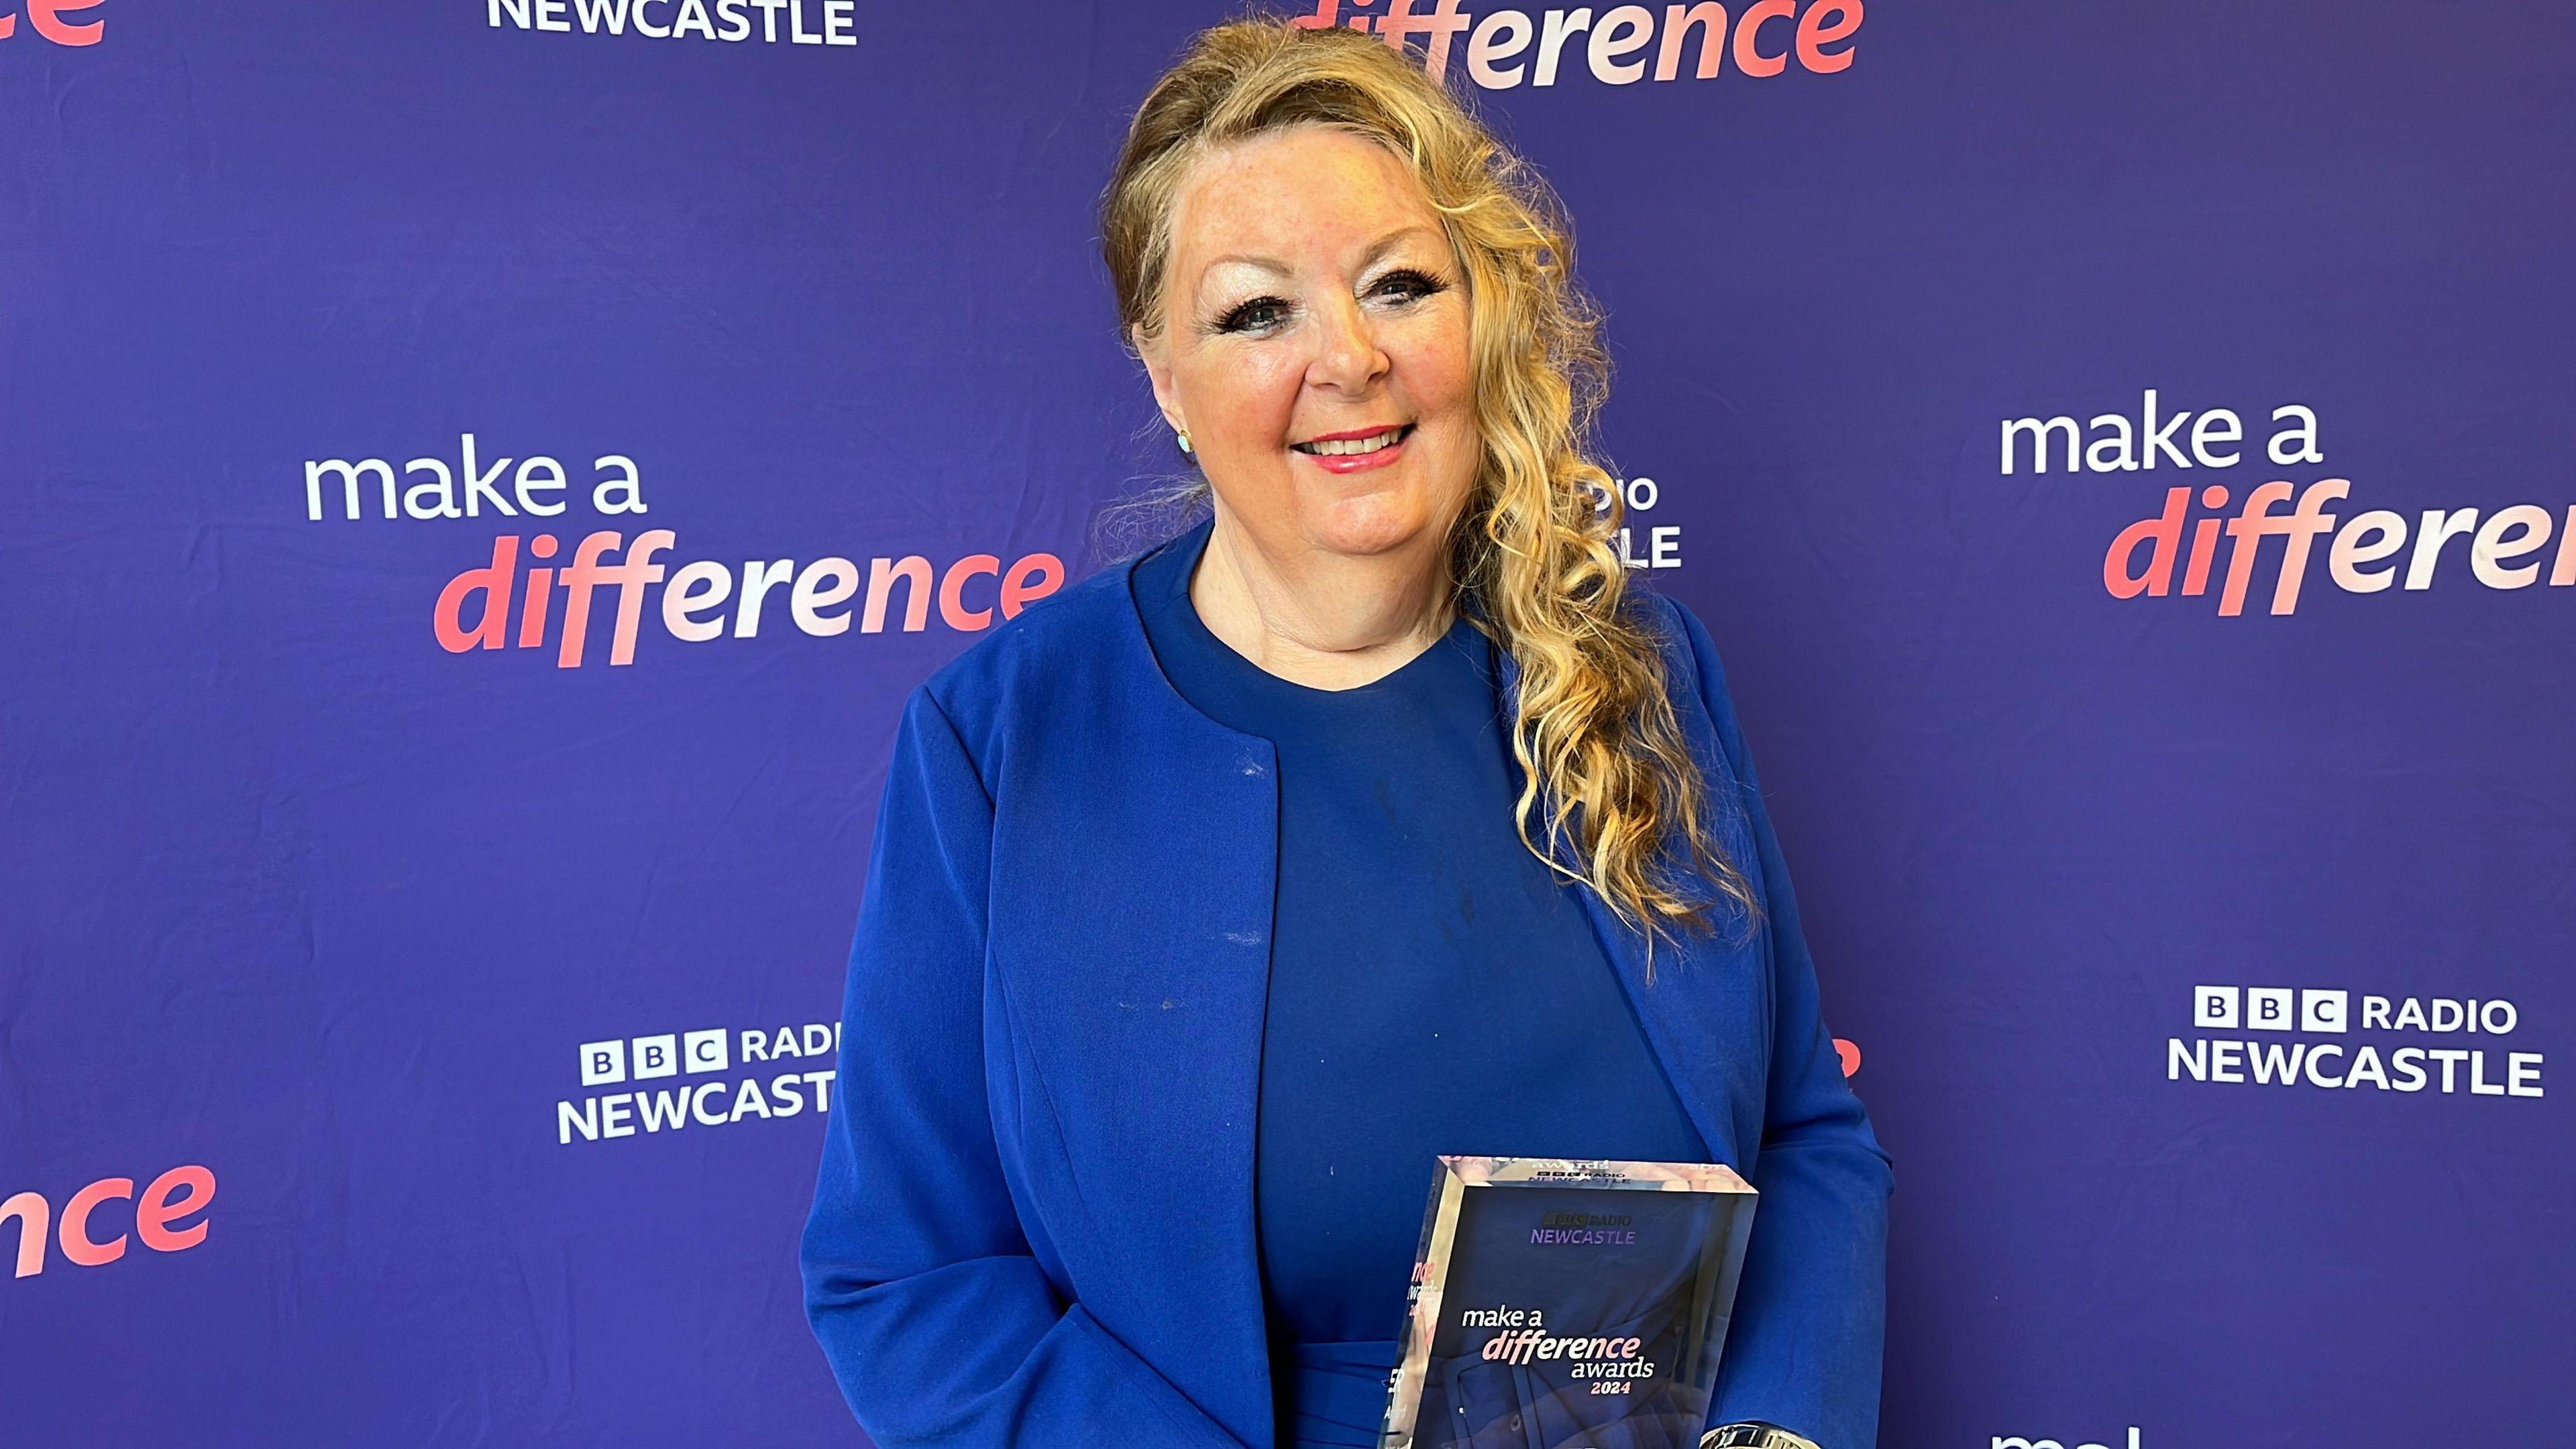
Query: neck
x=1323 y=620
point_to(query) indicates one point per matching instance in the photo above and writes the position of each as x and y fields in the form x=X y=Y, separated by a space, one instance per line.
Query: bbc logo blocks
x=2268 y=1008
x=646 y=1057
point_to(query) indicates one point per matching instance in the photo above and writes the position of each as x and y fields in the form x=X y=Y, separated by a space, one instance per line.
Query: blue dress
x=1433 y=988
x=1035 y=1221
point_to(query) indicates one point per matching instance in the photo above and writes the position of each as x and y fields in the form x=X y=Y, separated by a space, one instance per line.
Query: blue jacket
x=1034 y=1221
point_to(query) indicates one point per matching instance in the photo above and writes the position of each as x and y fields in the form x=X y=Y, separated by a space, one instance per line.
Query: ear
x=1155 y=351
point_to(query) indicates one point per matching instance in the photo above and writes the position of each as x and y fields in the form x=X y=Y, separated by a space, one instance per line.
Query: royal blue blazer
x=1034 y=1220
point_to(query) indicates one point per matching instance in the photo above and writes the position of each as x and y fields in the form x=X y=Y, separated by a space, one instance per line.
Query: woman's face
x=1314 y=345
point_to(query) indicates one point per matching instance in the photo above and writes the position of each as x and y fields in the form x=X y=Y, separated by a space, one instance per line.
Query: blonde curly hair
x=1610 y=795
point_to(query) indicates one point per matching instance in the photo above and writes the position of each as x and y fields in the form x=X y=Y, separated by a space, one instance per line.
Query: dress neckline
x=1182 y=610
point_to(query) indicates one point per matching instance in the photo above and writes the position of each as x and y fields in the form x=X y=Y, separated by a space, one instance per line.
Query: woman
x=1371 y=819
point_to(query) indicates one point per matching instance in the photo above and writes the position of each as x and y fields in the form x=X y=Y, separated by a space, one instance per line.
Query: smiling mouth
x=1347 y=447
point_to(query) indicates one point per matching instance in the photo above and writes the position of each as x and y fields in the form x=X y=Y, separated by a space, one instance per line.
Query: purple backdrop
x=2161 y=892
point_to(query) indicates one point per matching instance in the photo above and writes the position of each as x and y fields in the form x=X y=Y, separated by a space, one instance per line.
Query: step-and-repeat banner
x=477 y=478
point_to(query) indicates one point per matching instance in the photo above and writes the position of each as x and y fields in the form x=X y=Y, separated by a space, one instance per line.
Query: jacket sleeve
x=937 y=1320
x=1811 y=1309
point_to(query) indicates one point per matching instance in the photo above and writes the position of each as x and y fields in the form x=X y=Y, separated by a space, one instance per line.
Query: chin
x=1371 y=525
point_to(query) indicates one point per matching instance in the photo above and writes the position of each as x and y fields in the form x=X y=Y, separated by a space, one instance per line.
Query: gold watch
x=1753 y=1435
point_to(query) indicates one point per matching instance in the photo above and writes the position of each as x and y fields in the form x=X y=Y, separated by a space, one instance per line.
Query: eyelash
x=1418 y=284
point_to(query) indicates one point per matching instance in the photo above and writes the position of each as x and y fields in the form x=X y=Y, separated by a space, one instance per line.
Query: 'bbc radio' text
x=2276 y=1012
x=766 y=1094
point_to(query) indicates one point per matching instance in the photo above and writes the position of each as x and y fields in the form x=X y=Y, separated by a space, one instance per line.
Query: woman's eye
x=1257 y=315
x=1408 y=285
x=1268 y=314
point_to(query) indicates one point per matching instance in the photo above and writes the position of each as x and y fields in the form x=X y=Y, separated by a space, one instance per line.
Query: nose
x=1347 y=357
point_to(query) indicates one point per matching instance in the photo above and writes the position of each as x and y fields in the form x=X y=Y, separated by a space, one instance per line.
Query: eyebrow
x=1377 y=250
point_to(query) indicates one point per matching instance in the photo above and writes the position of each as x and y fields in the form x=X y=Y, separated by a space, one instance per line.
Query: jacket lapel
x=1145 y=1036
x=1709 y=994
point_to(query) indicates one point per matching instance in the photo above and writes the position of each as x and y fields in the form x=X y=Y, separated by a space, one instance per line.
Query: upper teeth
x=1334 y=447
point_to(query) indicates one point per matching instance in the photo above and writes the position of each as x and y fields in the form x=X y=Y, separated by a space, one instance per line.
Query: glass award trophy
x=1561 y=1304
